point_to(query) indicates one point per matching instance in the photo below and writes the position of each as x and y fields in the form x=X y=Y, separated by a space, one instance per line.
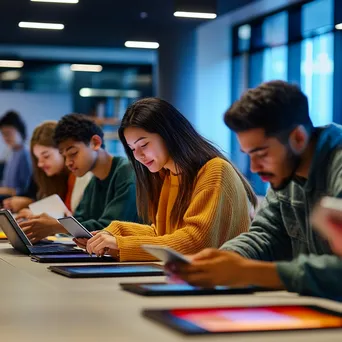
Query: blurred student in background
x=110 y=195
x=192 y=195
x=50 y=176
x=17 y=170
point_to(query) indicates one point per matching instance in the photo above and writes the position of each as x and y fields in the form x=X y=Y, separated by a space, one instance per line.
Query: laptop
x=21 y=242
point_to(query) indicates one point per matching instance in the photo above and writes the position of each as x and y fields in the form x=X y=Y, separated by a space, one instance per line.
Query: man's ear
x=95 y=142
x=299 y=139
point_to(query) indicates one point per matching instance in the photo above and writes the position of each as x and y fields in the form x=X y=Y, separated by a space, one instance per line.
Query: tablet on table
x=117 y=270
x=167 y=289
x=246 y=319
x=72 y=257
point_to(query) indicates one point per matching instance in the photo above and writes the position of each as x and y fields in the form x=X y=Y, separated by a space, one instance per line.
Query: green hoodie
x=110 y=199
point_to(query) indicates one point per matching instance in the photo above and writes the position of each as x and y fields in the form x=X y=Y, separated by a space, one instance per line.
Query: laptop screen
x=13 y=232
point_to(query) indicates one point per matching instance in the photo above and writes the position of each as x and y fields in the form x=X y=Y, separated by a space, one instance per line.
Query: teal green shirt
x=110 y=199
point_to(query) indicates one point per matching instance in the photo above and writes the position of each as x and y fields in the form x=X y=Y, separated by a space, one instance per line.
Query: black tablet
x=165 y=289
x=117 y=270
x=214 y=320
x=80 y=257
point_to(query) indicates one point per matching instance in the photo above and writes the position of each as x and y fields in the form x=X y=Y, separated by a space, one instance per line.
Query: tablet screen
x=257 y=318
x=175 y=287
x=66 y=256
x=112 y=269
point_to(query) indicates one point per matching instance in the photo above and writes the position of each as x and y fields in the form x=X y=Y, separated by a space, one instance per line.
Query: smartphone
x=326 y=212
x=166 y=254
x=75 y=228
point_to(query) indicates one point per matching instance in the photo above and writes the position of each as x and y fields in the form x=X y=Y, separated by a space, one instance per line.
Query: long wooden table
x=38 y=305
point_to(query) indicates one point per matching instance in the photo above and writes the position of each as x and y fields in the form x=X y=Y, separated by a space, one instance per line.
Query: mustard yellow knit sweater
x=218 y=212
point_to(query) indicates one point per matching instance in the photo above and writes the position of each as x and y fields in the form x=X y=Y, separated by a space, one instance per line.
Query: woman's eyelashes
x=142 y=146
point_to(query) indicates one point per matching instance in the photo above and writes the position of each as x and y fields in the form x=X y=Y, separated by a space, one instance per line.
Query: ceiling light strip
x=86 y=67
x=58 y=1
x=141 y=45
x=41 y=26
x=11 y=64
x=197 y=15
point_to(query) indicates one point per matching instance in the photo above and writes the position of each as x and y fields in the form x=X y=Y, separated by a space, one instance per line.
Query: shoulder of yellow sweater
x=215 y=167
x=215 y=172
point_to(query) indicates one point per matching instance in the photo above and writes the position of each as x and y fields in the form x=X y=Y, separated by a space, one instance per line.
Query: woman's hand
x=16 y=203
x=103 y=242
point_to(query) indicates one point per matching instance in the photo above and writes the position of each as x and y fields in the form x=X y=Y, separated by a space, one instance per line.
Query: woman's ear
x=95 y=142
x=299 y=139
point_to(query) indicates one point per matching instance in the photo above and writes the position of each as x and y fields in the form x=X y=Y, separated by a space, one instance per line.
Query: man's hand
x=102 y=243
x=212 y=267
x=24 y=214
x=39 y=227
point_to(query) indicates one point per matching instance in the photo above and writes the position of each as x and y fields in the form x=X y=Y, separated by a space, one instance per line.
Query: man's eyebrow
x=257 y=149
x=67 y=149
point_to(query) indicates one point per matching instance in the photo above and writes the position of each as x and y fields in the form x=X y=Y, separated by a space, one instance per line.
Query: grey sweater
x=282 y=232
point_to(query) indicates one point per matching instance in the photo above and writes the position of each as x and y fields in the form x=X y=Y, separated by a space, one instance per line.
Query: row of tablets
x=185 y=320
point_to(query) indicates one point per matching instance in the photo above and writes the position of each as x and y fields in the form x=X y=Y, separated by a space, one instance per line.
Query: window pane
x=240 y=79
x=244 y=37
x=317 y=67
x=317 y=17
x=275 y=64
x=274 y=29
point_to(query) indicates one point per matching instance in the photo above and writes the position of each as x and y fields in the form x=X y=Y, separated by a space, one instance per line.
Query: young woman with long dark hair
x=186 y=188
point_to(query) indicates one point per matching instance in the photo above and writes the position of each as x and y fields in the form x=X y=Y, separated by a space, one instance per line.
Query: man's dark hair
x=275 y=106
x=13 y=119
x=77 y=127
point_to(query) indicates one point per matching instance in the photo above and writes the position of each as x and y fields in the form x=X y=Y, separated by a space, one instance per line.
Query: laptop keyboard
x=53 y=249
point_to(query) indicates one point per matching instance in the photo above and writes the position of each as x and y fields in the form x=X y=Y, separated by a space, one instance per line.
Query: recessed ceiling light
x=92 y=92
x=244 y=32
x=58 y=1
x=142 y=45
x=86 y=67
x=41 y=26
x=197 y=15
x=338 y=26
x=10 y=75
x=11 y=64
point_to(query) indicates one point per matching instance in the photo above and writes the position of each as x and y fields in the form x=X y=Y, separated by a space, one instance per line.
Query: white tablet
x=166 y=254
x=327 y=210
x=52 y=205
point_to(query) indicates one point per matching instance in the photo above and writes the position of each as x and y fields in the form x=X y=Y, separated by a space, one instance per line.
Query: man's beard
x=293 y=161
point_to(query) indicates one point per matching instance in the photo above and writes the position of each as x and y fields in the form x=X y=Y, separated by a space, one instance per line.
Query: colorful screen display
x=257 y=318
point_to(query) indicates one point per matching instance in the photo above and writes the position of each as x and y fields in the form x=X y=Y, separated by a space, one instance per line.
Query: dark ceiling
x=97 y=22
